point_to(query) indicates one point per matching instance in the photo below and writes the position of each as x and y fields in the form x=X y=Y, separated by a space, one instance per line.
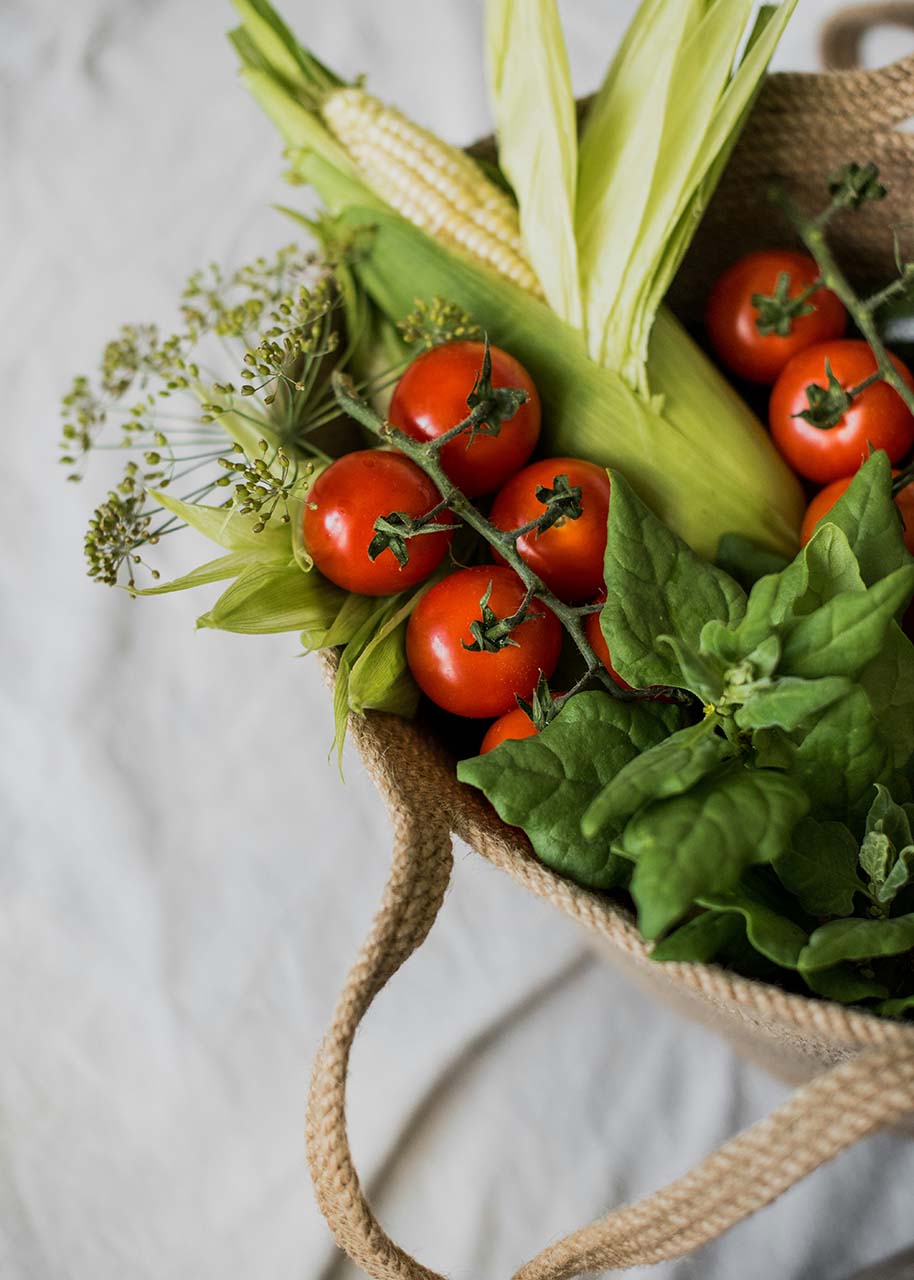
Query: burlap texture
x=859 y=1069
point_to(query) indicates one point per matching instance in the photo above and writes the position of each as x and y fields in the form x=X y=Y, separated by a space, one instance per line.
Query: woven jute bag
x=858 y=1069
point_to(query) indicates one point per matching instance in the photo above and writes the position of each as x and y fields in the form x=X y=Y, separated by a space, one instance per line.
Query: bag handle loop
x=841 y=41
x=822 y=1119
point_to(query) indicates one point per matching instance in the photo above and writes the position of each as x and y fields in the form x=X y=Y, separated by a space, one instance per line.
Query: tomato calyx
x=854 y=185
x=490 y=406
x=778 y=310
x=828 y=404
x=393 y=531
x=490 y=633
x=562 y=502
x=543 y=706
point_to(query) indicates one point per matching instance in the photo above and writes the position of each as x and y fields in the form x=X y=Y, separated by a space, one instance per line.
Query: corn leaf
x=354 y=613
x=213 y=571
x=380 y=678
x=619 y=149
x=648 y=162
x=301 y=127
x=536 y=124
x=381 y=681
x=268 y=35
x=269 y=598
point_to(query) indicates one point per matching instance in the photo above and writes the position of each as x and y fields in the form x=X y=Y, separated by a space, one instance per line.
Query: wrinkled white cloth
x=184 y=878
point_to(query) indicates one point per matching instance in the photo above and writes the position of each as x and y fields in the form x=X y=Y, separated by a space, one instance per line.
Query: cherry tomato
x=342 y=506
x=512 y=725
x=597 y=642
x=826 y=498
x=477 y=683
x=568 y=557
x=431 y=397
x=732 y=319
x=877 y=415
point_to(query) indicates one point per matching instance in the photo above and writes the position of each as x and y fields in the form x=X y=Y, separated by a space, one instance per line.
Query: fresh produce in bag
x=466 y=450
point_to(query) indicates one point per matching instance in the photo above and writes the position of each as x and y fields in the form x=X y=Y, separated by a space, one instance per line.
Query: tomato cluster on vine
x=771 y=321
x=478 y=641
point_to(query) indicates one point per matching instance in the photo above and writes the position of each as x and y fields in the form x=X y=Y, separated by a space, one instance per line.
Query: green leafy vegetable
x=544 y=783
x=872 y=522
x=656 y=586
x=668 y=769
x=819 y=868
x=789 y=702
x=841 y=755
x=848 y=631
x=766 y=916
x=844 y=984
x=841 y=940
x=699 y=843
x=746 y=561
x=896 y=1008
x=698 y=941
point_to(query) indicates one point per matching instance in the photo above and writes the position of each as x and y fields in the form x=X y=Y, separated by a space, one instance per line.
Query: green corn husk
x=672 y=424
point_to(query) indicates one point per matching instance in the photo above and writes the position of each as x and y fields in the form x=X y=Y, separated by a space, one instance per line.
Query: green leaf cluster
x=768 y=822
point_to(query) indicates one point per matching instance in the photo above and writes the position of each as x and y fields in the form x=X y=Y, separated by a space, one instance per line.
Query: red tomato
x=476 y=683
x=877 y=416
x=340 y=511
x=568 y=557
x=514 y=724
x=597 y=642
x=732 y=318
x=826 y=498
x=431 y=397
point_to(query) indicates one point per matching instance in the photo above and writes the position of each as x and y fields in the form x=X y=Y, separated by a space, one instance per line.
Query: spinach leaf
x=699 y=940
x=841 y=940
x=887 y=851
x=699 y=843
x=896 y=1008
x=825 y=567
x=745 y=561
x=668 y=769
x=790 y=702
x=848 y=631
x=844 y=984
x=867 y=514
x=841 y=755
x=767 y=919
x=900 y=876
x=889 y=684
x=831 y=568
x=819 y=867
x=543 y=784
x=656 y=586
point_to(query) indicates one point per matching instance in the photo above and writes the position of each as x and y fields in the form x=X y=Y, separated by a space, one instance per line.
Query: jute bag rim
x=872 y=1085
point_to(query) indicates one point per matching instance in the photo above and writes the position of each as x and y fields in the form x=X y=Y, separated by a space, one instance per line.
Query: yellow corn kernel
x=433 y=185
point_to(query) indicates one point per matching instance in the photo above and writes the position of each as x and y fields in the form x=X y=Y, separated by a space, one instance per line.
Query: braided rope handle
x=841 y=42
x=822 y=1119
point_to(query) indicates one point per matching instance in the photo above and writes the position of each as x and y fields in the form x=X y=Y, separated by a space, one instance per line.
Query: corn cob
x=435 y=186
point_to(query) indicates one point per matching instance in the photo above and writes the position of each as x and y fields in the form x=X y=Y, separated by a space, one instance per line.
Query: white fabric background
x=183 y=877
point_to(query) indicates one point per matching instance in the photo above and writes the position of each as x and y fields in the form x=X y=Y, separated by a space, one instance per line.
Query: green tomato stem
x=812 y=231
